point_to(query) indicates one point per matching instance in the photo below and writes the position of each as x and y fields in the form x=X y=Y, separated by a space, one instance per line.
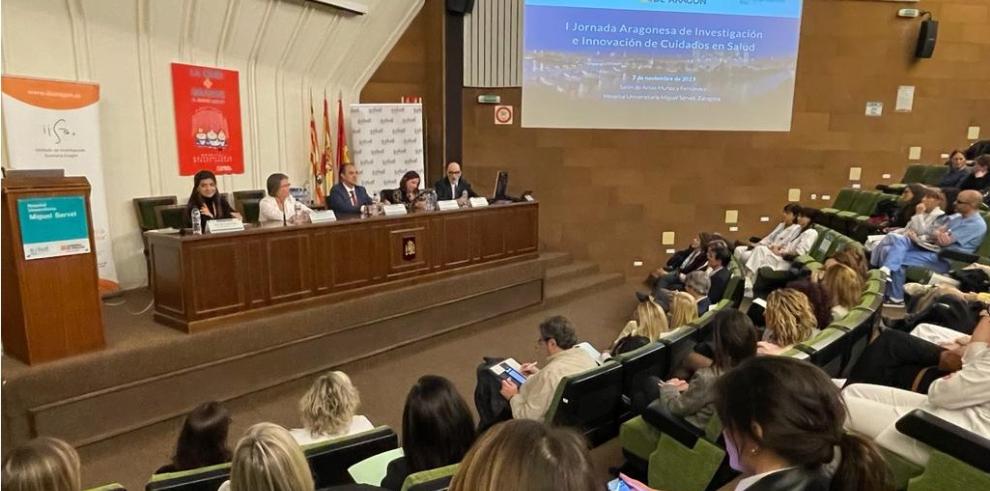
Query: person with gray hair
x=697 y=284
x=499 y=399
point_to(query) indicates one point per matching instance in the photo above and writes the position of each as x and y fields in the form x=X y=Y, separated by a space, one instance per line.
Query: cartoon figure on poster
x=211 y=128
x=207 y=119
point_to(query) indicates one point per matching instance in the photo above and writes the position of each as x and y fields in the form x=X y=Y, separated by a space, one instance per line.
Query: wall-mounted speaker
x=926 y=39
x=460 y=6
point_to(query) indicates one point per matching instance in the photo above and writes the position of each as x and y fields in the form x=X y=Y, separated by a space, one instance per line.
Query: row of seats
x=851 y=211
x=828 y=243
x=916 y=173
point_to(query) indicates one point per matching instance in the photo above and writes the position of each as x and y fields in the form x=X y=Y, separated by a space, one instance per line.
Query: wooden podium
x=51 y=300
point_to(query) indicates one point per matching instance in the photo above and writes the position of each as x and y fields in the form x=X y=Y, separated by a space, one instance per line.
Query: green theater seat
x=430 y=480
x=590 y=402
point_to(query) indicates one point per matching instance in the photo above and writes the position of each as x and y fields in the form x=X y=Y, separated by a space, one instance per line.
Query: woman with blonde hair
x=524 y=454
x=844 y=287
x=649 y=320
x=327 y=410
x=790 y=320
x=268 y=459
x=42 y=464
x=683 y=309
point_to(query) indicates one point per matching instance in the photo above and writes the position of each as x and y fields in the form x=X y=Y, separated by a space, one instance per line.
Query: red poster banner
x=207 y=119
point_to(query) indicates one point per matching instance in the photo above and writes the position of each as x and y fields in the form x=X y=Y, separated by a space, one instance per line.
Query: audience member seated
x=649 y=320
x=979 y=179
x=734 y=341
x=437 y=430
x=627 y=344
x=408 y=191
x=499 y=400
x=527 y=455
x=818 y=298
x=844 y=289
x=279 y=206
x=328 y=410
x=958 y=171
x=454 y=186
x=907 y=205
x=208 y=200
x=347 y=197
x=784 y=232
x=940 y=304
x=779 y=257
x=683 y=262
x=927 y=218
x=697 y=284
x=790 y=320
x=684 y=308
x=42 y=464
x=203 y=439
x=962 y=398
x=718 y=272
x=267 y=459
x=782 y=422
x=905 y=361
x=963 y=231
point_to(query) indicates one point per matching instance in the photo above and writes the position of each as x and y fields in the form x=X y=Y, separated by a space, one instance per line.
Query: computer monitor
x=501 y=185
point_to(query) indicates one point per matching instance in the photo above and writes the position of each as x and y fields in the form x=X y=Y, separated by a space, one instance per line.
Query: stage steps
x=566 y=279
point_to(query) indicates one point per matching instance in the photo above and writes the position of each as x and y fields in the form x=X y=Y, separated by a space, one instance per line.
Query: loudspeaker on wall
x=460 y=6
x=926 y=39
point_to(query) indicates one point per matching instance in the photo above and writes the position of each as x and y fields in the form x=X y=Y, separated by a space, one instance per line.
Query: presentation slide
x=660 y=64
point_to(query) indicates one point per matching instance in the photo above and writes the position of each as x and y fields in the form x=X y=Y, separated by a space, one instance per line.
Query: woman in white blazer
x=279 y=206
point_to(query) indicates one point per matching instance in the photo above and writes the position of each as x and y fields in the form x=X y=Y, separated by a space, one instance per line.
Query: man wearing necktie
x=346 y=197
x=453 y=186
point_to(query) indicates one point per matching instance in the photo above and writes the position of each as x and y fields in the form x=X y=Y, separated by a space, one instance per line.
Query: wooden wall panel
x=607 y=195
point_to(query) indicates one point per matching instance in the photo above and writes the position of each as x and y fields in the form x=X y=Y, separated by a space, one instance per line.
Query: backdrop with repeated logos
x=386 y=142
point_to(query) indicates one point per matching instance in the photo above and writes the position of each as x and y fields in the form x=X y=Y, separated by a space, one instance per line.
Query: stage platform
x=150 y=373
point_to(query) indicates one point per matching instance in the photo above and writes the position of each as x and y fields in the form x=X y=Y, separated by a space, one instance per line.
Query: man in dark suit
x=453 y=186
x=718 y=272
x=346 y=196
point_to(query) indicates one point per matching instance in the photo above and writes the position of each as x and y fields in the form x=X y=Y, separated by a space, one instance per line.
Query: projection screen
x=660 y=64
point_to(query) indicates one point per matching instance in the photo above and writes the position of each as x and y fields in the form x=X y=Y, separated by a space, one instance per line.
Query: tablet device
x=509 y=369
x=618 y=484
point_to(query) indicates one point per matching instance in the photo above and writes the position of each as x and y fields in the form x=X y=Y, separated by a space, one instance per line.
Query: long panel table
x=201 y=280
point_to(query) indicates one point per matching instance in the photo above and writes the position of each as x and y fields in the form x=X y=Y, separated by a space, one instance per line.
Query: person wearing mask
x=437 y=430
x=556 y=341
x=208 y=200
x=979 y=179
x=958 y=172
x=734 y=342
x=844 y=288
x=649 y=320
x=266 y=458
x=963 y=232
x=790 y=320
x=784 y=232
x=203 y=439
x=279 y=206
x=41 y=464
x=347 y=197
x=961 y=398
x=328 y=410
x=454 y=186
x=779 y=257
x=527 y=455
x=782 y=422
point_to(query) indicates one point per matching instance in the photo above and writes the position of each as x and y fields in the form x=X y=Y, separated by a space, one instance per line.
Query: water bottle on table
x=197 y=223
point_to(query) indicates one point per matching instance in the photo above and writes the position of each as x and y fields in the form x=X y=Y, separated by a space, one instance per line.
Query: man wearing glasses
x=453 y=186
x=963 y=232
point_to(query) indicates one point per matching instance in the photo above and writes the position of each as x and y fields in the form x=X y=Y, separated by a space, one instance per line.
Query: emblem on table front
x=409 y=248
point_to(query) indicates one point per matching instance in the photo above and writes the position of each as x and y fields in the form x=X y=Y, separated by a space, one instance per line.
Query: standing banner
x=388 y=142
x=53 y=124
x=207 y=119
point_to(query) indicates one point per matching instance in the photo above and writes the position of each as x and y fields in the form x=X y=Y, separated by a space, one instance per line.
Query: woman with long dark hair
x=207 y=199
x=782 y=421
x=203 y=440
x=437 y=430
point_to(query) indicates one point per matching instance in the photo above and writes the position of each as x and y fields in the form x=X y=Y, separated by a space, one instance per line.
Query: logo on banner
x=207 y=119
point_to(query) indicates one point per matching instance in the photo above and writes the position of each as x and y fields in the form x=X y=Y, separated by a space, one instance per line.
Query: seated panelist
x=207 y=198
x=453 y=186
x=279 y=206
x=408 y=191
x=346 y=196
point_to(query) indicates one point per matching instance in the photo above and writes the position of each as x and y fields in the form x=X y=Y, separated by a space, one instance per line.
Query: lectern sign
x=53 y=226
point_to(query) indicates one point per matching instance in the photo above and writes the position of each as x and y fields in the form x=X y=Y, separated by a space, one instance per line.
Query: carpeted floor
x=383 y=381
